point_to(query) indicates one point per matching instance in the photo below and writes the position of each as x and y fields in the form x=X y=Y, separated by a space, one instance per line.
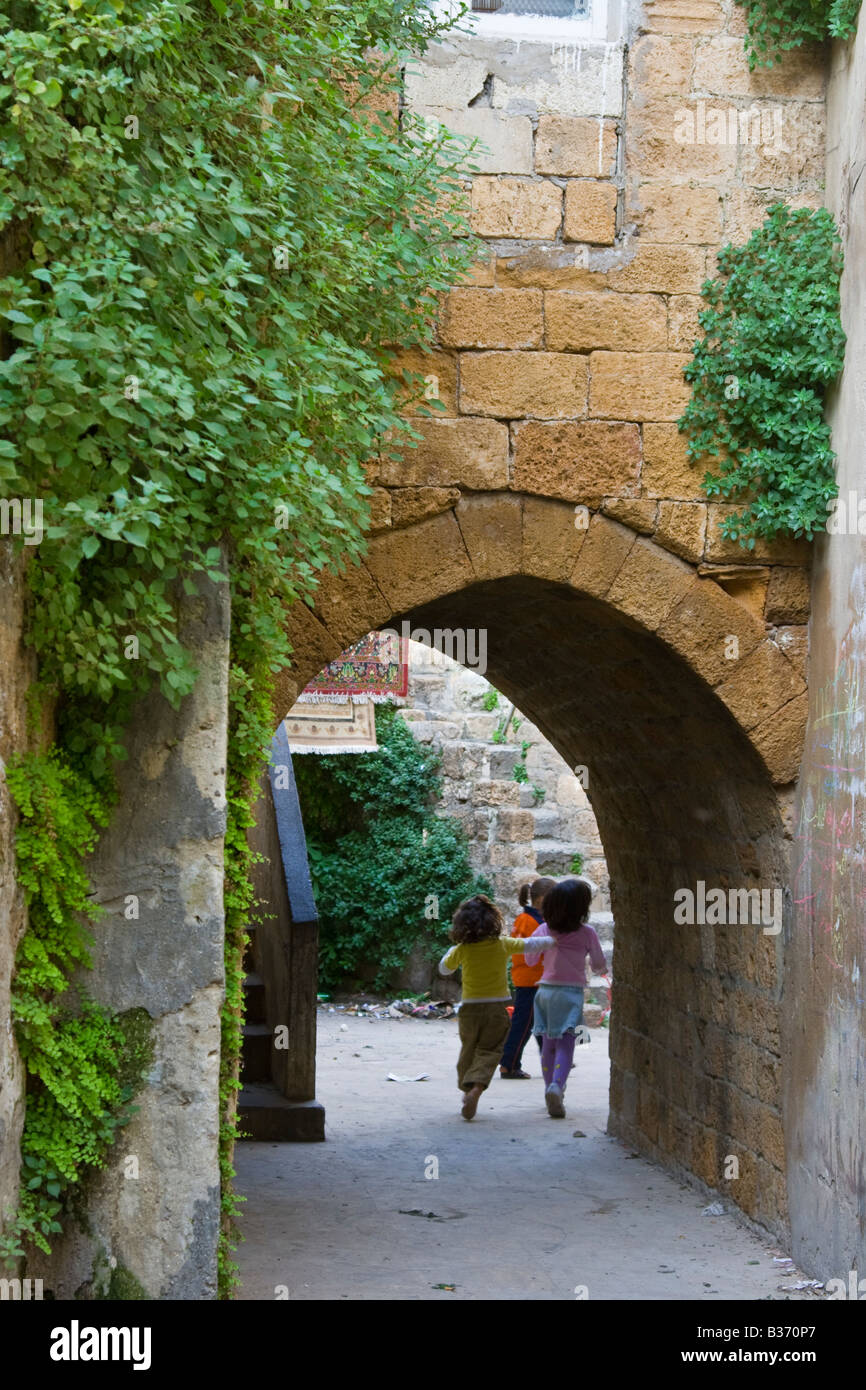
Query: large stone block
x=514 y=825
x=683 y=16
x=509 y=385
x=458 y=453
x=640 y=513
x=414 y=566
x=637 y=385
x=590 y=212
x=788 y=596
x=722 y=69
x=677 y=139
x=781 y=550
x=575 y=147
x=601 y=556
x=649 y=584
x=551 y=540
x=492 y=530
x=682 y=528
x=528 y=209
x=660 y=269
x=761 y=682
x=578 y=322
x=479 y=318
x=504 y=143
x=429 y=376
x=785 y=145
x=677 y=213
x=444 y=78
x=544 y=78
x=660 y=66
x=411 y=504
x=576 y=461
x=349 y=603
x=666 y=470
x=684 y=329
x=701 y=626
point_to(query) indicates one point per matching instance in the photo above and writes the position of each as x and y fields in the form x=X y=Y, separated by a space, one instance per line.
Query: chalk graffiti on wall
x=830 y=844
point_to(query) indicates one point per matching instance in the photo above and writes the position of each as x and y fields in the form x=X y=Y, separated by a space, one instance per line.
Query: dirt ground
x=523 y=1207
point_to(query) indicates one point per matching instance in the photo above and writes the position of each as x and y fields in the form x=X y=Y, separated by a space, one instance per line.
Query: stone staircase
x=265 y=1113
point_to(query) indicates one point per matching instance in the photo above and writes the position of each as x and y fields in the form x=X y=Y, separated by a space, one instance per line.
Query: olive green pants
x=483 y=1030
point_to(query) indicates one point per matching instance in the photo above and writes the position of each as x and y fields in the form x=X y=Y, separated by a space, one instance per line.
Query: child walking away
x=525 y=979
x=559 y=1000
x=482 y=952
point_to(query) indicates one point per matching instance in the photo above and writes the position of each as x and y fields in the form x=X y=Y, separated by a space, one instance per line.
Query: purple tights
x=557 y=1059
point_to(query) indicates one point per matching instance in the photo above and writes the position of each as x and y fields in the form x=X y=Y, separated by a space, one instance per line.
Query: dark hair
x=476 y=919
x=535 y=891
x=566 y=907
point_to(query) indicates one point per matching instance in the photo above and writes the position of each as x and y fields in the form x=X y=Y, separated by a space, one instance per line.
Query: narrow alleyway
x=523 y=1206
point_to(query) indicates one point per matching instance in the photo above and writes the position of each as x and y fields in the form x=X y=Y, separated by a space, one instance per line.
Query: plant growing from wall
x=210 y=232
x=386 y=869
x=776 y=26
x=773 y=344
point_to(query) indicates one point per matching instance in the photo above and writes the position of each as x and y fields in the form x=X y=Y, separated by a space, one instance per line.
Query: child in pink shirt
x=559 y=1001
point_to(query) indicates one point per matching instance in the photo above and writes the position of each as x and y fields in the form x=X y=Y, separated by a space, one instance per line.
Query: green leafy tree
x=773 y=344
x=212 y=223
x=382 y=862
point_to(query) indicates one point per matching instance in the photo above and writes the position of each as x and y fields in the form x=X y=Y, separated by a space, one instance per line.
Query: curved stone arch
x=616 y=649
x=490 y=536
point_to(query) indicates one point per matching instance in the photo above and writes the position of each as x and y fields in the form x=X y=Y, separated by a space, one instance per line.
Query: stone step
x=548 y=824
x=266 y=1115
x=256 y=1052
x=553 y=857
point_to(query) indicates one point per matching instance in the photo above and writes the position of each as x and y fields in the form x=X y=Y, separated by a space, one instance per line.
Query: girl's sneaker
x=553 y=1098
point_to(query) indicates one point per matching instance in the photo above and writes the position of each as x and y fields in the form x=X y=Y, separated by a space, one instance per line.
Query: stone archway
x=624 y=656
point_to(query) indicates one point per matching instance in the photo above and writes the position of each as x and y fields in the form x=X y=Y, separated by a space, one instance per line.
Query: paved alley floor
x=523 y=1206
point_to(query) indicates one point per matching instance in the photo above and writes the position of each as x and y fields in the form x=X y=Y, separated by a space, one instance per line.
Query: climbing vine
x=210 y=221
x=775 y=26
x=773 y=343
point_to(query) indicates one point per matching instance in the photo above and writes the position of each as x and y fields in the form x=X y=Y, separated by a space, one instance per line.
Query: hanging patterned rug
x=329 y=727
x=376 y=668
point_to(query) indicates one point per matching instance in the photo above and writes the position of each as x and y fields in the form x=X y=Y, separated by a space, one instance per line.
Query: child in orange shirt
x=525 y=979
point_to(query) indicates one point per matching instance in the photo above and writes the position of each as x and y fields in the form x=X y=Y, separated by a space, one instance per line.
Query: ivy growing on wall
x=776 y=26
x=773 y=344
x=210 y=221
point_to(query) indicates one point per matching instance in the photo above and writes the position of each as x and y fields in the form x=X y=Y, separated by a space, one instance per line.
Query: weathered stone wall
x=16 y=673
x=825 y=1023
x=158 y=1221
x=514 y=834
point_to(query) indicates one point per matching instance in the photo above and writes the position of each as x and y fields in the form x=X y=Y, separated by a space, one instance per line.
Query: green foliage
x=170 y=384
x=491 y=699
x=775 y=26
x=377 y=883
x=519 y=772
x=538 y=796
x=773 y=344
x=211 y=234
x=576 y=864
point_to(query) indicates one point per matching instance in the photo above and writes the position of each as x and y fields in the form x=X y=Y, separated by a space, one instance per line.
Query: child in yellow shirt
x=482 y=952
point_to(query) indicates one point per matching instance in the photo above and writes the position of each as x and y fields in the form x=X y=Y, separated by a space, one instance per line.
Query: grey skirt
x=558 y=1009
